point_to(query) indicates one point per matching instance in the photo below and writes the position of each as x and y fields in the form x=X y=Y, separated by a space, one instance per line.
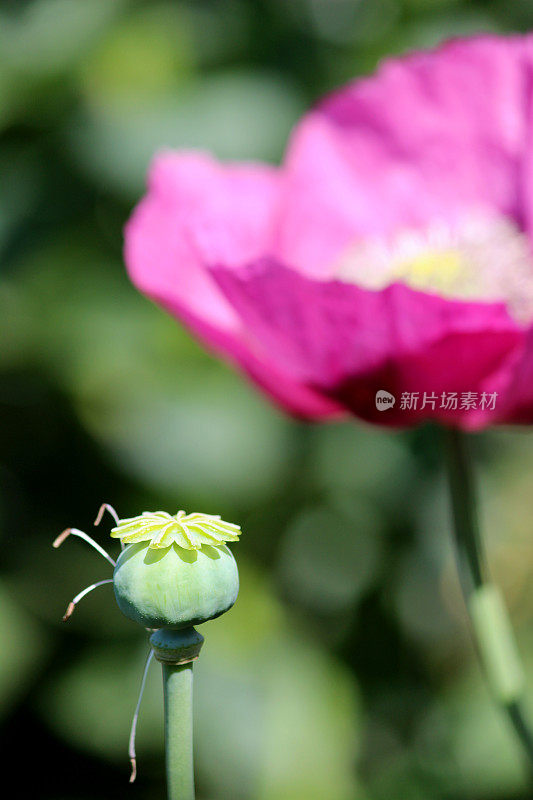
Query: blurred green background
x=345 y=672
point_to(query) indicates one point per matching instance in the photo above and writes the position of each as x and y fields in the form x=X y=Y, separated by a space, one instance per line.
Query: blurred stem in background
x=491 y=627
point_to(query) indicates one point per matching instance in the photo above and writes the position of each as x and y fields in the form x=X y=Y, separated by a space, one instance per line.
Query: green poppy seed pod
x=177 y=572
x=175 y=588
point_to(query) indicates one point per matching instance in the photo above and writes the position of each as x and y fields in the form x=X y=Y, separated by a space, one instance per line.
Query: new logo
x=384 y=400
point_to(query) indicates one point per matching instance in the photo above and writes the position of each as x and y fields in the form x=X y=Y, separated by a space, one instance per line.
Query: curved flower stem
x=133 y=732
x=177 y=686
x=488 y=616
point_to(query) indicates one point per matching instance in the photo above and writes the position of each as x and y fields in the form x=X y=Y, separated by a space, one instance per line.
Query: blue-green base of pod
x=176 y=647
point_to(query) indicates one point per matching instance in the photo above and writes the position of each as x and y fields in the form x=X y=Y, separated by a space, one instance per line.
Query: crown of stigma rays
x=190 y=531
x=173 y=572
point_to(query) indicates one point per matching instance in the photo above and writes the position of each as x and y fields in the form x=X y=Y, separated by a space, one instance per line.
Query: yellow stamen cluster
x=481 y=257
x=190 y=531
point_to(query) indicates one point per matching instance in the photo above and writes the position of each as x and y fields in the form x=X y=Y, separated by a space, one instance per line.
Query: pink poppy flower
x=388 y=259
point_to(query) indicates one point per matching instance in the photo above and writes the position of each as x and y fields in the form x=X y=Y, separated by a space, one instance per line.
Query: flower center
x=432 y=268
x=482 y=258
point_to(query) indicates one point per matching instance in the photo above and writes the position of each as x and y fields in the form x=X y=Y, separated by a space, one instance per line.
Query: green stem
x=490 y=622
x=177 y=650
x=177 y=687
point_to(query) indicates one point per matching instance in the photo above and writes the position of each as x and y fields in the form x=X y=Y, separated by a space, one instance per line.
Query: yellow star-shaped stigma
x=190 y=531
